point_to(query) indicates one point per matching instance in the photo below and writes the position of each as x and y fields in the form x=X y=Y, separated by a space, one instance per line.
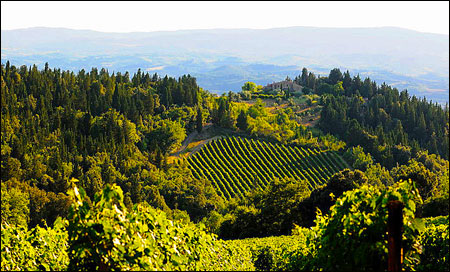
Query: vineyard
x=237 y=165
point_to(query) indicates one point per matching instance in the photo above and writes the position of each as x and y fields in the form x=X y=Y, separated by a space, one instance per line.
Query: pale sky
x=426 y=16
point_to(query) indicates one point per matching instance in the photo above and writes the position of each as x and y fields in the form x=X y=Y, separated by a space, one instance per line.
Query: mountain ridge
x=388 y=54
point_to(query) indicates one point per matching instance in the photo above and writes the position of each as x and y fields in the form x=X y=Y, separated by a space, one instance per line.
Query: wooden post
x=395 y=228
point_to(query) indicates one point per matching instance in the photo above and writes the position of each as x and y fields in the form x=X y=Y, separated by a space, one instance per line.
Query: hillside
x=88 y=180
x=225 y=136
x=238 y=165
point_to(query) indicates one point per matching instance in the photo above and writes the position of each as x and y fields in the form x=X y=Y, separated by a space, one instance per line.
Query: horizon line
x=218 y=28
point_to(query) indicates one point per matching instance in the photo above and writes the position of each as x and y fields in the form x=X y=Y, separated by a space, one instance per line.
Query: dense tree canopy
x=96 y=127
x=385 y=122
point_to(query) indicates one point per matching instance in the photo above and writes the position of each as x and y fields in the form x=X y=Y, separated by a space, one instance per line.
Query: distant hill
x=223 y=59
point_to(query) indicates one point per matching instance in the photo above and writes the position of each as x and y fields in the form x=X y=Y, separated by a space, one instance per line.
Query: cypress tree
x=241 y=121
x=304 y=78
x=199 y=120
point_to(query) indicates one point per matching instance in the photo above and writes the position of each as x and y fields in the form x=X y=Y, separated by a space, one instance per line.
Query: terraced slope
x=236 y=165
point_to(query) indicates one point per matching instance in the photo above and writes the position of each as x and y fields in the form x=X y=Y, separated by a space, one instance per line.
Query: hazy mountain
x=223 y=59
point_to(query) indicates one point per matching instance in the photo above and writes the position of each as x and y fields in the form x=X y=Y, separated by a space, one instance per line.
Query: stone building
x=286 y=84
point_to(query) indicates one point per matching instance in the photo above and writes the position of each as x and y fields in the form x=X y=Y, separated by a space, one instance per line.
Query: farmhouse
x=286 y=84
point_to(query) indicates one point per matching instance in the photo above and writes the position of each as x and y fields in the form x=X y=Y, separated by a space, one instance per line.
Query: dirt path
x=202 y=143
x=188 y=140
x=303 y=110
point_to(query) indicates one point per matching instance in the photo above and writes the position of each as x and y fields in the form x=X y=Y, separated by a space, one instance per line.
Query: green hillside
x=237 y=165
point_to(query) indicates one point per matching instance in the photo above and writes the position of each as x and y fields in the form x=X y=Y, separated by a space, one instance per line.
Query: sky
x=129 y=16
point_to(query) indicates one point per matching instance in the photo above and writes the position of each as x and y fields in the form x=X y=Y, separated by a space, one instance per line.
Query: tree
x=335 y=76
x=356 y=84
x=222 y=116
x=241 y=121
x=311 y=81
x=167 y=136
x=366 y=88
x=249 y=86
x=199 y=119
x=15 y=204
x=268 y=212
x=358 y=159
x=324 y=197
x=347 y=82
x=425 y=180
x=150 y=103
x=304 y=77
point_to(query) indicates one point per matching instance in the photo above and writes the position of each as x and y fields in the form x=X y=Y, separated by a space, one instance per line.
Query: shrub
x=108 y=237
x=435 y=244
x=35 y=249
x=353 y=234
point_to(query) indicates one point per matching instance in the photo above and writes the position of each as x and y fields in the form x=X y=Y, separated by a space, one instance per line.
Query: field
x=274 y=253
x=237 y=165
x=282 y=242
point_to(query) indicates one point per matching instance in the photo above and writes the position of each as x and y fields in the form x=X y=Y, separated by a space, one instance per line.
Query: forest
x=292 y=181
